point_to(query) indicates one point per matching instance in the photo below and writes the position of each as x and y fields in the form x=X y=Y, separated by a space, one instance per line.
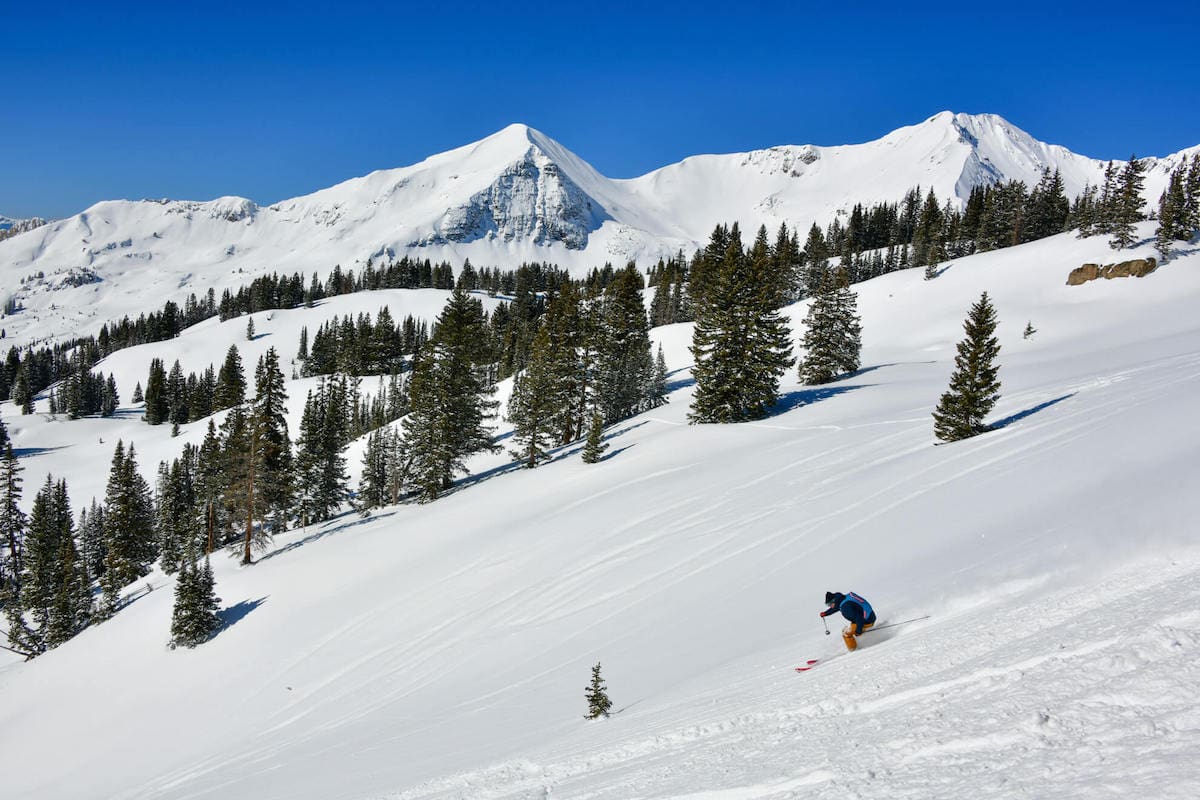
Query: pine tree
x=1191 y=194
x=110 y=399
x=595 y=445
x=230 y=390
x=535 y=407
x=275 y=479
x=320 y=461
x=373 y=485
x=250 y=329
x=597 y=696
x=22 y=393
x=624 y=364
x=91 y=538
x=194 y=616
x=1173 y=223
x=13 y=522
x=178 y=511
x=138 y=397
x=833 y=333
x=449 y=396
x=54 y=587
x=656 y=394
x=1127 y=205
x=157 y=401
x=974 y=386
x=128 y=522
x=741 y=343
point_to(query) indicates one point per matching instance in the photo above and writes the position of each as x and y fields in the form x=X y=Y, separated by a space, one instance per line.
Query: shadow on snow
x=805 y=397
x=1020 y=415
x=329 y=528
x=236 y=613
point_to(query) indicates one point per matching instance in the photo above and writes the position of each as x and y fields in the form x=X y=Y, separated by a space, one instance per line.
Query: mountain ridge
x=515 y=196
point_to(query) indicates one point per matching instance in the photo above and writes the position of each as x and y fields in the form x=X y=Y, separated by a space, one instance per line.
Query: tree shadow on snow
x=682 y=382
x=329 y=528
x=804 y=397
x=26 y=452
x=237 y=612
x=863 y=371
x=1020 y=415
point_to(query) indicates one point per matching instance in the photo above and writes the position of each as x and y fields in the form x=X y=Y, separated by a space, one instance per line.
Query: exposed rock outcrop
x=531 y=200
x=1135 y=268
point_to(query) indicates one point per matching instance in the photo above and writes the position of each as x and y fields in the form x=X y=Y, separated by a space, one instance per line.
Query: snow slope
x=515 y=196
x=441 y=651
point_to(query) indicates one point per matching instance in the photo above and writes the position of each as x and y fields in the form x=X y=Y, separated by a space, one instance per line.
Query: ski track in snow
x=992 y=699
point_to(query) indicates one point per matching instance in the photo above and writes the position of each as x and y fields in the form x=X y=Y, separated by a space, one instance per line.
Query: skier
x=854 y=608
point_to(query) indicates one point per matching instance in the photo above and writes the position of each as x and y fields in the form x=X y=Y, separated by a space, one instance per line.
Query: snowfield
x=441 y=651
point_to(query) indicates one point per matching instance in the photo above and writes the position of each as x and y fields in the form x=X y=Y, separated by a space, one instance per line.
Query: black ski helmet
x=829 y=599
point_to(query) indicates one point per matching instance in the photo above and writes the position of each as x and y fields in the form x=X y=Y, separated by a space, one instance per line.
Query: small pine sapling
x=597 y=696
x=595 y=446
x=1029 y=330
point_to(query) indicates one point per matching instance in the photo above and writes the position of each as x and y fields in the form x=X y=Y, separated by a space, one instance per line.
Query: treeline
x=28 y=371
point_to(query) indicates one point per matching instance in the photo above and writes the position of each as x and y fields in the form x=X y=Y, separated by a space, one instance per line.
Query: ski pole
x=894 y=624
x=826 y=625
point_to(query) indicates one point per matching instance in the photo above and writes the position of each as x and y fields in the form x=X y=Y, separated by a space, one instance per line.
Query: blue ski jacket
x=854 y=608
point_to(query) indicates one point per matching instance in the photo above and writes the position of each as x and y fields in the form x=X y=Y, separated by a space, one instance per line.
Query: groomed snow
x=441 y=651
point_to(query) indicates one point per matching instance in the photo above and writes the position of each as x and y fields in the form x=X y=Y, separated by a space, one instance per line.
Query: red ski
x=812 y=662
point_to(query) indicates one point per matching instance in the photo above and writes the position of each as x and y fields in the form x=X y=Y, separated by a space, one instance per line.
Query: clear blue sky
x=152 y=100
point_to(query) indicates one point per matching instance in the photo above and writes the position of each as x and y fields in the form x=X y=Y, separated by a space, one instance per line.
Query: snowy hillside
x=515 y=196
x=441 y=651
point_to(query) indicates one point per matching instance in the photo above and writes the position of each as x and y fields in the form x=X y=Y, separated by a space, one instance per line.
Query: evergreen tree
x=656 y=394
x=91 y=538
x=54 y=587
x=178 y=515
x=535 y=407
x=128 y=523
x=157 y=401
x=194 y=616
x=22 y=392
x=321 y=460
x=274 y=473
x=1191 y=195
x=138 y=397
x=250 y=329
x=230 y=390
x=974 y=386
x=12 y=522
x=597 y=696
x=1173 y=215
x=595 y=445
x=177 y=406
x=624 y=364
x=374 y=484
x=928 y=246
x=833 y=334
x=1049 y=208
x=816 y=261
x=740 y=341
x=1126 y=205
x=110 y=399
x=449 y=396
x=1106 y=203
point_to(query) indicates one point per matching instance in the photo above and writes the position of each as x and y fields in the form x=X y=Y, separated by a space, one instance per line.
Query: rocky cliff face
x=531 y=200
